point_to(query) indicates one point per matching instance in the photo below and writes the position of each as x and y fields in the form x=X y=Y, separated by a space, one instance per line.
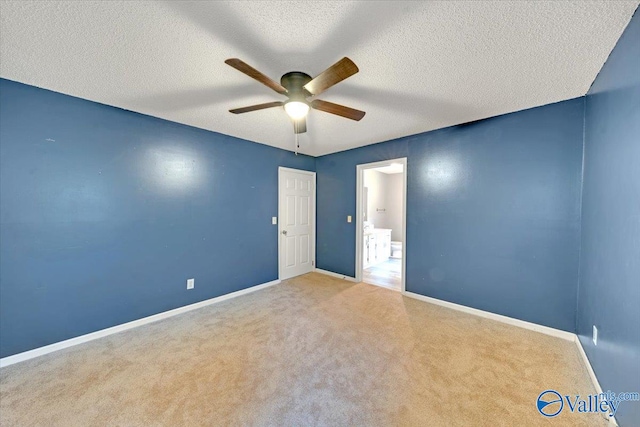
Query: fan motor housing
x=294 y=81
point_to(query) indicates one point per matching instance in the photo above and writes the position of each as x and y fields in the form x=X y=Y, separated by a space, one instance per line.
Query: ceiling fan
x=299 y=86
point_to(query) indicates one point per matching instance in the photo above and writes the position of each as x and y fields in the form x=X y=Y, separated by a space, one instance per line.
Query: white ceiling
x=423 y=65
x=391 y=169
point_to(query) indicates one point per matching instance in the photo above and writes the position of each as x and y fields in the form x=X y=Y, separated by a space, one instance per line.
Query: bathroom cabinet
x=377 y=247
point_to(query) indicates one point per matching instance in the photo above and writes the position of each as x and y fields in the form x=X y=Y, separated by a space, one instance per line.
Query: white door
x=296 y=216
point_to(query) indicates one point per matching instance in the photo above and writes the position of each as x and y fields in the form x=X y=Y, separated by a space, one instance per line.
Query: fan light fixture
x=296 y=109
x=298 y=86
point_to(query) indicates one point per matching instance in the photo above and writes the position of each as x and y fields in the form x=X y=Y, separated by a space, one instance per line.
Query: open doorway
x=381 y=190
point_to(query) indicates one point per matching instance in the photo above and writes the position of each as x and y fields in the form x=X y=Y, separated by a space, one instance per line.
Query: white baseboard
x=592 y=374
x=526 y=325
x=585 y=359
x=332 y=274
x=500 y=318
x=16 y=358
x=20 y=357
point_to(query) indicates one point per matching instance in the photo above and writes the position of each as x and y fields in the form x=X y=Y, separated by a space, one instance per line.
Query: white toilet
x=396 y=249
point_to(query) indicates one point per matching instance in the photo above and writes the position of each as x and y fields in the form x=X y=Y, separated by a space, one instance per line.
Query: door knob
x=284 y=232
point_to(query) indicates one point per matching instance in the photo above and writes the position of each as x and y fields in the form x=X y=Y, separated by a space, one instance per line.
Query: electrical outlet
x=595 y=335
x=191 y=283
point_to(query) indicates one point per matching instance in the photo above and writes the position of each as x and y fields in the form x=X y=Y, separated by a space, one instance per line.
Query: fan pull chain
x=297 y=143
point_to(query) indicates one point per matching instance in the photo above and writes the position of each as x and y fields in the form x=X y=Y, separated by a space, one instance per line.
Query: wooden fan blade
x=335 y=74
x=257 y=107
x=300 y=125
x=247 y=69
x=337 y=109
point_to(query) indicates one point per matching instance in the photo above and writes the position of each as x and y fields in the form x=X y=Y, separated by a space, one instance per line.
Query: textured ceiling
x=423 y=65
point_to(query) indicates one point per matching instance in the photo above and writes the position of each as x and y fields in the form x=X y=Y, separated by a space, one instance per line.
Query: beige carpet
x=311 y=351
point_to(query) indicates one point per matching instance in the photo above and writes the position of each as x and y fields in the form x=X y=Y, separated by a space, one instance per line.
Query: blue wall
x=105 y=213
x=493 y=212
x=609 y=294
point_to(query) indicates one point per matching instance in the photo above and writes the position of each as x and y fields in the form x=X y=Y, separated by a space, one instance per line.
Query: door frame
x=360 y=215
x=312 y=215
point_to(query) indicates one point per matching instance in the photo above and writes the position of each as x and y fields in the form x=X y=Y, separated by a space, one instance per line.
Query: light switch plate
x=274 y=220
x=191 y=283
x=348 y=218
